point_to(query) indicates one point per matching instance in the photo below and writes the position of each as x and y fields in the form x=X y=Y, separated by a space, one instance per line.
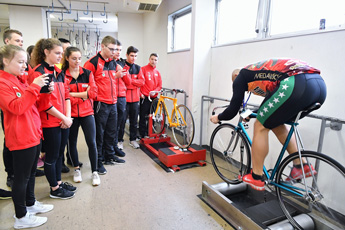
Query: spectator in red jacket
x=18 y=103
x=153 y=82
x=83 y=90
x=105 y=71
x=133 y=94
x=55 y=112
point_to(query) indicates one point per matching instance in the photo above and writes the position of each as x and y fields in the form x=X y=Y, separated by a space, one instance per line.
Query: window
x=243 y=20
x=180 y=26
x=236 y=20
x=299 y=15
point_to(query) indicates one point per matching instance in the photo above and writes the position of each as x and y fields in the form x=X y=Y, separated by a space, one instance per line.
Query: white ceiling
x=84 y=20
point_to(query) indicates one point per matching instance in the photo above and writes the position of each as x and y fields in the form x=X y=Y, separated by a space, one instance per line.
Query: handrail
x=335 y=123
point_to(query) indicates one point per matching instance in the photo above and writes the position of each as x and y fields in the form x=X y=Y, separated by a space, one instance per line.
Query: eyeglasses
x=112 y=50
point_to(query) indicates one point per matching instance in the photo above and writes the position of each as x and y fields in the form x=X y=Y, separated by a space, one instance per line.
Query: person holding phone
x=83 y=90
x=18 y=103
x=55 y=114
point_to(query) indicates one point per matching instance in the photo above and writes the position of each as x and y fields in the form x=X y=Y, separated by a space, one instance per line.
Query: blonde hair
x=8 y=52
x=38 y=54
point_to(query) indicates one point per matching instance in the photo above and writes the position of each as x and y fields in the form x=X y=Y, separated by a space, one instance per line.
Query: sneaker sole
x=77 y=181
x=258 y=188
x=62 y=198
x=30 y=225
x=102 y=173
x=134 y=147
x=95 y=184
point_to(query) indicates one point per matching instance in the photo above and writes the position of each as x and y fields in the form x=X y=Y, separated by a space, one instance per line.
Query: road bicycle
x=317 y=192
x=180 y=120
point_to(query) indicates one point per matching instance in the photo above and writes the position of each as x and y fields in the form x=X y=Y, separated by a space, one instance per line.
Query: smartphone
x=45 y=89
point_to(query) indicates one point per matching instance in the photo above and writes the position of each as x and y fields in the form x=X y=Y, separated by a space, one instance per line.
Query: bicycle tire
x=184 y=132
x=158 y=120
x=230 y=153
x=324 y=197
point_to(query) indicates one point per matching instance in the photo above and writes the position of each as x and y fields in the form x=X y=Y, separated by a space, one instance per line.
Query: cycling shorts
x=292 y=95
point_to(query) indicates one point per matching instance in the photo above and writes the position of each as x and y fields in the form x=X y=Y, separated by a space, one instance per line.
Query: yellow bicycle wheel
x=184 y=130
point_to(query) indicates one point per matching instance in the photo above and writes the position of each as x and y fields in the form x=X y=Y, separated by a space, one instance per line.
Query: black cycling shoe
x=64 y=169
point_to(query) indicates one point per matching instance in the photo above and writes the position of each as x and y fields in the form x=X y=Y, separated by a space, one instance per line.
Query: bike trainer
x=246 y=208
x=170 y=154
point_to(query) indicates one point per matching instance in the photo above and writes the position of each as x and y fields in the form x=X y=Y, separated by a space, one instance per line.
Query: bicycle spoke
x=321 y=195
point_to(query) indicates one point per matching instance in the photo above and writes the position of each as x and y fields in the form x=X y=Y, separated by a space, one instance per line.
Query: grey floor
x=136 y=195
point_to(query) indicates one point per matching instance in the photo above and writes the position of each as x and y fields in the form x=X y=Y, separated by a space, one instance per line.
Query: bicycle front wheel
x=183 y=132
x=229 y=152
x=319 y=195
x=158 y=113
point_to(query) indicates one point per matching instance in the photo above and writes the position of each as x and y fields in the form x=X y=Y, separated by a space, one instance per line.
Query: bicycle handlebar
x=176 y=91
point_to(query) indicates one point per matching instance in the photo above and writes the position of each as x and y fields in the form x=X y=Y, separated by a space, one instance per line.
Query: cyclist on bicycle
x=288 y=86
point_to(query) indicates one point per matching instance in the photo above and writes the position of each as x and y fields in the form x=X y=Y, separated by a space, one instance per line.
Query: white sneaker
x=134 y=144
x=29 y=221
x=120 y=145
x=95 y=179
x=77 y=176
x=38 y=207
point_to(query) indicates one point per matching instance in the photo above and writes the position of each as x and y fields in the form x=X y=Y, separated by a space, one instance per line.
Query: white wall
x=33 y=29
x=131 y=30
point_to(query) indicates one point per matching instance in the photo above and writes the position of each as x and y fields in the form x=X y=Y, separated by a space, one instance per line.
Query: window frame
x=263 y=23
x=171 y=28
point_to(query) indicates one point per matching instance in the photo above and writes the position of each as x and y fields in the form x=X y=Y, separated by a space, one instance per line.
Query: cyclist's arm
x=239 y=87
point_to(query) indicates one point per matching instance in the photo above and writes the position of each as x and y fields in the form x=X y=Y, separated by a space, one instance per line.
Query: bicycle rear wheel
x=325 y=188
x=158 y=113
x=230 y=153
x=184 y=132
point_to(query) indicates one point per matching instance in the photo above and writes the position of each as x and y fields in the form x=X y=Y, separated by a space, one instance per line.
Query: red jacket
x=21 y=119
x=85 y=80
x=153 y=80
x=137 y=80
x=57 y=98
x=121 y=83
x=104 y=74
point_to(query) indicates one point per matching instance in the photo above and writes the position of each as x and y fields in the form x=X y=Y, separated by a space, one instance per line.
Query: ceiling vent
x=148 y=5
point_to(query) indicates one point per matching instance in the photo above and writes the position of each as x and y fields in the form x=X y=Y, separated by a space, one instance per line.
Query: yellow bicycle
x=180 y=121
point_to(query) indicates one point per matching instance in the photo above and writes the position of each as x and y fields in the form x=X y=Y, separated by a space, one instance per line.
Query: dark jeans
x=132 y=112
x=145 y=105
x=89 y=128
x=23 y=189
x=121 y=118
x=106 y=123
x=55 y=140
x=6 y=153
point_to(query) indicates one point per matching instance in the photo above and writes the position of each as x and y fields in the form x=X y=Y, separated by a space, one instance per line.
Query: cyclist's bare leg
x=281 y=133
x=259 y=147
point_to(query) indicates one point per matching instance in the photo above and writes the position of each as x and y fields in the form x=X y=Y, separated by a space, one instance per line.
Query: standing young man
x=105 y=71
x=133 y=95
x=153 y=82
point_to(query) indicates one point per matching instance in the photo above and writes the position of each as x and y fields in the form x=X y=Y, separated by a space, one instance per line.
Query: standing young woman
x=55 y=114
x=83 y=90
x=18 y=103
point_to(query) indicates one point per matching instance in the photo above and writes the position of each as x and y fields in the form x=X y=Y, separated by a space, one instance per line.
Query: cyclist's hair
x=63 y=40
x=68 y=52
x=154 y=54
x=132 y=49
x=38 y=54
x=8 y=52
x=8 y=34
x=108 y=40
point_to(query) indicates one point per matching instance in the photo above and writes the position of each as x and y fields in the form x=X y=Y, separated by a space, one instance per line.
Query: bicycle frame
x=174 y=110
x=271 y=176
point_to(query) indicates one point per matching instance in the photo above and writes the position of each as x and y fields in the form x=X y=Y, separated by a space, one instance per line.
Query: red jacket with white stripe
x=104 y=74
x=121 y=83
x=22 y=122
x=153 y=80
x=85 y=81
x=57 y=98
x=137 y=80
